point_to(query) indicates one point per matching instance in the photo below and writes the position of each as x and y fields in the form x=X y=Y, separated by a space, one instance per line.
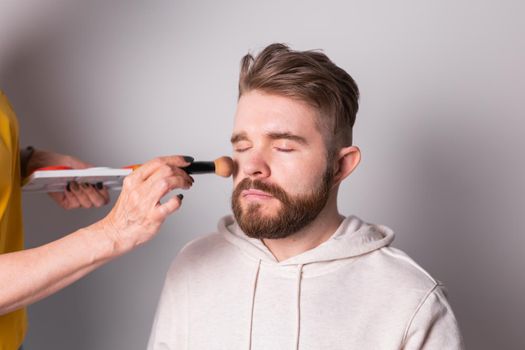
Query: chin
x=263 y=210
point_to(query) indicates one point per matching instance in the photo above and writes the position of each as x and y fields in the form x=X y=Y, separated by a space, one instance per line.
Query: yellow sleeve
x=13 y=325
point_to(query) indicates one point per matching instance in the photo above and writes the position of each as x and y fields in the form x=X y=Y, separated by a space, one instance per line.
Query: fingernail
x=100 y=185
x=74 y=186
x=180 y=195
x=68 y=187
x=188 y=159
x=192 y=179
x=85 y=185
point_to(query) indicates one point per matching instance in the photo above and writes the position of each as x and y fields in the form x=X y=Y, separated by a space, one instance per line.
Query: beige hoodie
x=227 y=291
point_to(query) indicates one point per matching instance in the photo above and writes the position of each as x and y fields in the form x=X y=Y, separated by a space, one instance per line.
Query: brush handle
x=200 y=168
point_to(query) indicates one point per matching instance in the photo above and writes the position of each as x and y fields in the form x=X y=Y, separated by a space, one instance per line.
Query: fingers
x=82 y=197
x=147 y=169
x=95 y=196
x=162 y=177
x=138 y=213
x=65 y=200
x=165 y=170
x=165 y=185
x=169 y=207
x=71 y=201
x=103 y=191
x=85 y=196
x=167 y=178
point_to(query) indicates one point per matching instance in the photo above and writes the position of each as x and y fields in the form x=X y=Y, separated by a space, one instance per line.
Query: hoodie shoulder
x=399 y=269
x=209 y=246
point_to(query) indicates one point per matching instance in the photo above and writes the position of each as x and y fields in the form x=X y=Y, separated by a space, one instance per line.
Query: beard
x=295 y=213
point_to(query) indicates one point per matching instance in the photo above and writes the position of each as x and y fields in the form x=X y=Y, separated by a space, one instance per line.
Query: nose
x=254 y=166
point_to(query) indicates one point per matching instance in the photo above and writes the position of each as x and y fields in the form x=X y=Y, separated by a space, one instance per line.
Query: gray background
x=440 y=127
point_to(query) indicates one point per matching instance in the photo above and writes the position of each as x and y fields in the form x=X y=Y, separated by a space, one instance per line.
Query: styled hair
x=310 y=77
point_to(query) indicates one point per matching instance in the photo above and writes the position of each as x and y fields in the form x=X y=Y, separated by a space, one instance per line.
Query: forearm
x=30 y=275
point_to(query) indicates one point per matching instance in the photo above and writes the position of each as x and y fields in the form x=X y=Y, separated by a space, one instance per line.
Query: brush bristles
x=224 y=166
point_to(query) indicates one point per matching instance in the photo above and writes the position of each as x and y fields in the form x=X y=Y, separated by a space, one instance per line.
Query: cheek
x=236 y=178
x=297 y=178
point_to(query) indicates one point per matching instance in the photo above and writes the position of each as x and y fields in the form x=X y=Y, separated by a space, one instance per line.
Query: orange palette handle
x=132 y=167
x=54 y=167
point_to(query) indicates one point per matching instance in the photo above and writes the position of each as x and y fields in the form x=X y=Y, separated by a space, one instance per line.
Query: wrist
x=105 y=235
x=25 y=157
x=37 y=160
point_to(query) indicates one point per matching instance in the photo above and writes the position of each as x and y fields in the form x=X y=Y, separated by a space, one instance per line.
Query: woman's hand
x=138 y=213
x=77 y=195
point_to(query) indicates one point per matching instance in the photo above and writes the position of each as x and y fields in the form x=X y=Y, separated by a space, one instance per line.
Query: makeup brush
x=222 y=166
x=57 y=178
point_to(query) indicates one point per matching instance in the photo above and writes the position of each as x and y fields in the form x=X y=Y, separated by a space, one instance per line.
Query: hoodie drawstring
x=298 y=304
x=298 y=300
x=253 y=302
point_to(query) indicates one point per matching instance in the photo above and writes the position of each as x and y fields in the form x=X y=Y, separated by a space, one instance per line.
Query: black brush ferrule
x=200 y=168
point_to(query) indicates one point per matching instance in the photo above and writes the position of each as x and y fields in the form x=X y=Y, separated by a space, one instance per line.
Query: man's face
x=282 y=180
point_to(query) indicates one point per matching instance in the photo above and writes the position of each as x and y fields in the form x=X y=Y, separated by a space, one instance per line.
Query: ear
x=346 y=161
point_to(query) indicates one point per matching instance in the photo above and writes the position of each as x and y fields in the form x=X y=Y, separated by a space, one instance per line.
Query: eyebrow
x=272 y=135
x=287 y=136
x=238 y=137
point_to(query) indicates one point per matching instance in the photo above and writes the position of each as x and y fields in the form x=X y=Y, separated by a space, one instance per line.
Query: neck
x=309 y=237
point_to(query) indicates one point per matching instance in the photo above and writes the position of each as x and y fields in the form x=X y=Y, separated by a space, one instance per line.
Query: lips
x=256 y=194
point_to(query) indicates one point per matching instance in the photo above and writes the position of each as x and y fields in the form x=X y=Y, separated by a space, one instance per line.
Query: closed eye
x=286 y=150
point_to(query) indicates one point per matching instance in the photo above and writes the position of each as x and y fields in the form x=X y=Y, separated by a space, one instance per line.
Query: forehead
x=260 y=113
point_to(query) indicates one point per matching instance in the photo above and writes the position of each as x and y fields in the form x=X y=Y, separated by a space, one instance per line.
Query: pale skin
x=30 y=275
x=79 y=195
x=277 y=140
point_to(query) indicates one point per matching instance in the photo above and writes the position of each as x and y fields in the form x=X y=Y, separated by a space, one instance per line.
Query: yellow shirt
x=13 y=325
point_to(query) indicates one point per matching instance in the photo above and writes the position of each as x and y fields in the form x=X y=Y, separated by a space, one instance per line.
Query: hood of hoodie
x=353 y=238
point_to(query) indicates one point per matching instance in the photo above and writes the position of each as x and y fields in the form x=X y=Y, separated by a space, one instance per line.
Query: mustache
x=274 y=190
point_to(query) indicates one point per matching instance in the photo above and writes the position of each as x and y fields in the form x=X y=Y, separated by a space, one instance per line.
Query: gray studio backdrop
x=441 y=129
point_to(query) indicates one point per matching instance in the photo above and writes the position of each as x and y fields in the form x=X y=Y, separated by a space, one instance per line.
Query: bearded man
x=288 y=271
